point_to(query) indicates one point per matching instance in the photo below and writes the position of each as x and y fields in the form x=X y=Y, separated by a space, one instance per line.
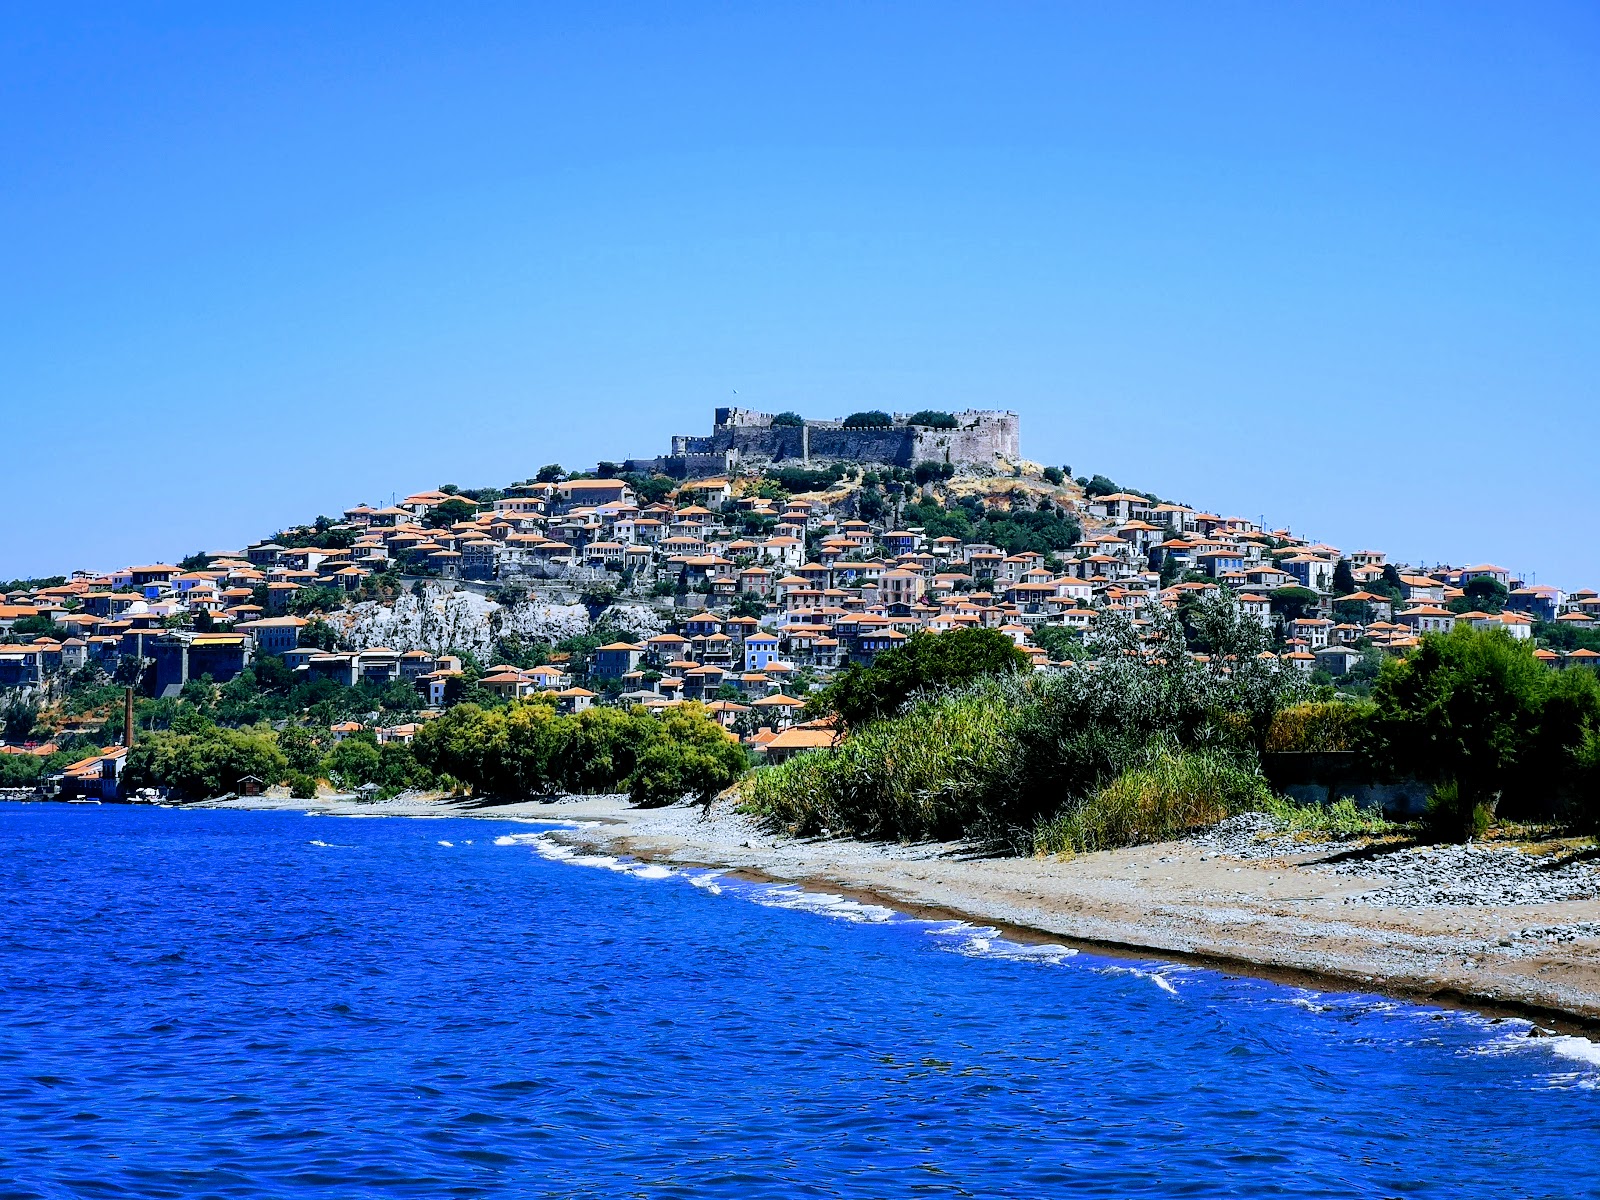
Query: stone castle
x=744 y=438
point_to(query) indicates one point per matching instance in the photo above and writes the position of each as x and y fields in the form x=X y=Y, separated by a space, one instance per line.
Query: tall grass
x=929 y=773
x=1170 y=794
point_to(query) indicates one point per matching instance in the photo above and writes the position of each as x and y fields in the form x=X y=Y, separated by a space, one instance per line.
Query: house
x=615 y=660
x=574 y=700
x=180 y=657
x=760 y=650
x=801 y=739
x=1337 y=659
x=274 y=635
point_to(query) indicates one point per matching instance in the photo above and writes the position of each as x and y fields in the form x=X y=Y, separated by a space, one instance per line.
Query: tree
x=1461 y=712
x=1482 y=594
x=932 y=419
x=788 y=420
x=1054 y=475
x=927 y=472
x=354 y=760
x=1291 y=603
x=1344 y=580
x=300 y=749
x=442 y=516
x=550 y=473
x=871 y=419
x=203 y=760
x=1392 y=585
x=1099 y=485
x=1059 y=642
x=926 y=662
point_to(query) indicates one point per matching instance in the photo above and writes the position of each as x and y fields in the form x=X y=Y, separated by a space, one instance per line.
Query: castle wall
x=980 y=438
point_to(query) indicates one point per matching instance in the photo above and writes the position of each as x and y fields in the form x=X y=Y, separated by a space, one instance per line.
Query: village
x=766 y=558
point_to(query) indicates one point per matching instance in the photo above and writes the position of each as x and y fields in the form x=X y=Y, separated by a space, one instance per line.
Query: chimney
x=127 y=717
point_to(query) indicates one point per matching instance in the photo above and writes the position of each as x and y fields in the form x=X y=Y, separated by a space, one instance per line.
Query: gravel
x=1471 y=874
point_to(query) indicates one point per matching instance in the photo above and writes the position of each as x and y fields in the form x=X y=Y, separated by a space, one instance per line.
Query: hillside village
x=741 y=571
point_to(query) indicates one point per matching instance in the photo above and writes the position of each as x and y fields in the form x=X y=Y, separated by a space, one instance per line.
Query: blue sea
x=233 y=1004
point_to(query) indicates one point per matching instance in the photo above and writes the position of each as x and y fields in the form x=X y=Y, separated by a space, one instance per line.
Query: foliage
x=28 y=770
x=804 y=479
x=528 y=748
x=319 y=634
x=1016 y=532
x=34 y=584
x=929 y=773
x=1344 y=579
x=1171 y=793
x=1059 y=642
x=871 y=419
x=203 y=759
x=1099 y=485
x=1476 y=714
x=650 y=489
x=550 y=473
x=1341 y=818
x=301 y=785
x=693 y=757
x=1317 y=727
x=442 y=516
x=1293 y=602
x=26 y=628
x=926 y=661
x=932 y=419
x=1481 y=595
x=788 y=420
x=315 y=599
x=1566 y=635
x=1007 y=751
x=513 y=650
x=927 y=472
x=301 y=752
x=1054 y=475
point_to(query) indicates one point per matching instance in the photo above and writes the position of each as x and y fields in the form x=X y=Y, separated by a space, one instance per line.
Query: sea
x=210 y=1003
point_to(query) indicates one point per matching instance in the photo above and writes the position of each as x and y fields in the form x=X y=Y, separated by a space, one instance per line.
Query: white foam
x=653 y=871
x=447 y=843
x=1579 y=1049
x=1156 y=977
x=824 y=904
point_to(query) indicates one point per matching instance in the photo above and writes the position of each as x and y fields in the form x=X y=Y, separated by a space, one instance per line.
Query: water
x=269 y=1004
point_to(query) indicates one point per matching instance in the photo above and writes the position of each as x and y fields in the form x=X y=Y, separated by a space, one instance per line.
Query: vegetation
x=1054 y=475
x=927 y=661
x=932 y=419
x=1017 y=531
x=788 y=420
x=1171 y=793
x=1009 y=753
x=872 y=419
x=527 y=748
x=804 y=479
x=1317 y=727
x=1475 y=714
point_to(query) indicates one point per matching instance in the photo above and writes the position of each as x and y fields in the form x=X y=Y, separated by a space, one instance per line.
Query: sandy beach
x=1305 y=913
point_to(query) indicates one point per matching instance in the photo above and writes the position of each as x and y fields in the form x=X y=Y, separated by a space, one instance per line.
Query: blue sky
x=1332 y=265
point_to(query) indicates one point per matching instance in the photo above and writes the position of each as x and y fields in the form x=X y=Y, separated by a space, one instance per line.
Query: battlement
x=744 y=436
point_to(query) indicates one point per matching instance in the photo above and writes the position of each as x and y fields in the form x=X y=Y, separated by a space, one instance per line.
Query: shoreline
x=1278 y=918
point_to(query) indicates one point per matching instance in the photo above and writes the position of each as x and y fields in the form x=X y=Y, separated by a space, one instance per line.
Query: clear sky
x=1338 y=265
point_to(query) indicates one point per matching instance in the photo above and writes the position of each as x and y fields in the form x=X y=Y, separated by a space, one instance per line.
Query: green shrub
x=1340 y=818
x=302 y=786
x=872 y=419
x=1317 y=727
x=1173 y=793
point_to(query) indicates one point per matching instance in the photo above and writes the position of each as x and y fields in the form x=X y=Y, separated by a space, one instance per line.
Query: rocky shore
x=1499 y=927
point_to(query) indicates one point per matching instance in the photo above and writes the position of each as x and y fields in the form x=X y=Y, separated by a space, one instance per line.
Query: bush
x=302 y=786
x=1173 y=793
x=788 y=420
x=1317 y=728
x=527 y=748
x=931 y=419
x=931 y=773
x=1055 y=476
x=872 y=419
x=209 y=761
x=927 y=660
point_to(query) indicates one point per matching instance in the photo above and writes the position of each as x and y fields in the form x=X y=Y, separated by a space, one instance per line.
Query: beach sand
x=1286 y=917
